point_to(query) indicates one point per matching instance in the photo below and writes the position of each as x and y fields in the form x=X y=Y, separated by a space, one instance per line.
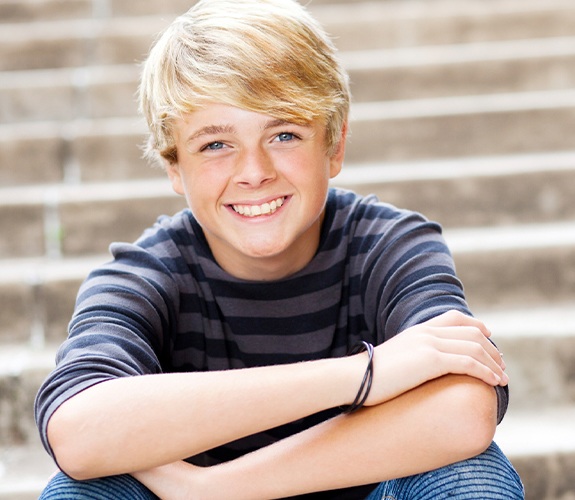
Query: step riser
x=543 y=384
x=60 y=99
x=471 y=78
x=17 y=394
x=96 y=155
x=91 y=156
x=37 y=312
x=455 y=136
x=88 y=227
x=123 y=220
x=64 y=102
x=383 y=27
x=31 y=161
x=378 y=27
x=518 y=277
x=20 y=11
x=467 y=200
x=547 y=477
x=23 y=227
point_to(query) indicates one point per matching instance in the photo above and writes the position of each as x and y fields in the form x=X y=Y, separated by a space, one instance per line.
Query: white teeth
x=256 y=210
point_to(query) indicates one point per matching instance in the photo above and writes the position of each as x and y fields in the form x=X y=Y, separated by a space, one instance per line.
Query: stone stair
x=464 y=110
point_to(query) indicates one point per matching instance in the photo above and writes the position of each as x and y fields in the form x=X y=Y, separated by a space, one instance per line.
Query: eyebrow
x=211 y=130
x=277 y=123
x=230 y=129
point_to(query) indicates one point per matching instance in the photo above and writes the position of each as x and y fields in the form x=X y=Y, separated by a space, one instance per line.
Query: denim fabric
x=489 y=476
x=123 y=487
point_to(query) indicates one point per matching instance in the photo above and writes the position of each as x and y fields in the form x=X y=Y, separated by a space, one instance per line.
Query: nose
x=254 y=168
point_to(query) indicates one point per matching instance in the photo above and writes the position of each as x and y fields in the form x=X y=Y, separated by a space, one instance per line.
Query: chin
x=263 y=253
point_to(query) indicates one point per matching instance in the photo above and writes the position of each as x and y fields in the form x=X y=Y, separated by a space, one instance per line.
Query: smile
x=258 y=210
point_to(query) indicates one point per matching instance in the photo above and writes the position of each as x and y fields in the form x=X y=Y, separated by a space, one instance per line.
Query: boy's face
x=256 y=185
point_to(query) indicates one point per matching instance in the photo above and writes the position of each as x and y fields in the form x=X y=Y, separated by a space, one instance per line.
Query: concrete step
x=463 y=69
x=417 y=129
x=25 y=11
x=38 y=297
x=528 y=266
x=79 y=219
x=481 y=191
x=541 y=446
x=538 y=344
x=79 y=42
x=24 y=471
x=356 y=25
x=443 y=22
x=69 y=93
x=376 y=75
x=22 y=371
x=457 y=127
x=87 y=150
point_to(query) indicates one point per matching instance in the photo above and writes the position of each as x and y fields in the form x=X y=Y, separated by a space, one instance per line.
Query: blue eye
x=286 y=136
x=214 y=146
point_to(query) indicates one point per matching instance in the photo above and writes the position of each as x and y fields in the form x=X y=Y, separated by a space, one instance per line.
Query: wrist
x=366 y=382
x=350 y=375
x=178 y=480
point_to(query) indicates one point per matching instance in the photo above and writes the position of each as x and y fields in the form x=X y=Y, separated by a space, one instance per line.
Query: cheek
x=203 y=189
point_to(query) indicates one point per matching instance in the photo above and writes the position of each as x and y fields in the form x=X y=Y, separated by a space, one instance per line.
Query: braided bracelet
x=365 y=386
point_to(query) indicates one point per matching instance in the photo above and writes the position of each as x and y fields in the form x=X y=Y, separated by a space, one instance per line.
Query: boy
x=210 y=358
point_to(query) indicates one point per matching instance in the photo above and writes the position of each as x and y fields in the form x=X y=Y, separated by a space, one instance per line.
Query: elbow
x=473 y=407
x=70 y=451
x=75 y=469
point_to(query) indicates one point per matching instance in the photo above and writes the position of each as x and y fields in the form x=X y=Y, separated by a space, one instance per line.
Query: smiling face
x=256 y=185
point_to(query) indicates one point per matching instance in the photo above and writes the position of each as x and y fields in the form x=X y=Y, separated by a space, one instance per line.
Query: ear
x=336 y=161
x=175 y=176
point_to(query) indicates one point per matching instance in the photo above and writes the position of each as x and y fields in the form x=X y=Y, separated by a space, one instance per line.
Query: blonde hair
x=267 y=56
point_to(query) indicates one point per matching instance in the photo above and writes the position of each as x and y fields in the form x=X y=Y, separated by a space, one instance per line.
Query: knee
x=62 y=487
x=490 y=474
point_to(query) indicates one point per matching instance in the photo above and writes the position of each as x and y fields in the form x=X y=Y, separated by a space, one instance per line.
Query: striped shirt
x=164 y=305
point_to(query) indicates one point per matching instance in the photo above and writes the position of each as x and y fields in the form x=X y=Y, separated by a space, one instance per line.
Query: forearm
x=140 y=422
x=438 y=423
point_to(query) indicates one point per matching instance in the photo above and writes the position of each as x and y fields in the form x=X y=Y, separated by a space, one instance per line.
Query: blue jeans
x=488 y=476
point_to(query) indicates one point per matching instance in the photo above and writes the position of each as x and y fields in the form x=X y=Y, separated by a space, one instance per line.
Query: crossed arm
x=431 y=404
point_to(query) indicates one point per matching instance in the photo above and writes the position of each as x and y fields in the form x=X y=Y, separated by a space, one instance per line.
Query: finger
x=467 y=365
x=457 y=318
x=469 y=334
x=469 y=352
